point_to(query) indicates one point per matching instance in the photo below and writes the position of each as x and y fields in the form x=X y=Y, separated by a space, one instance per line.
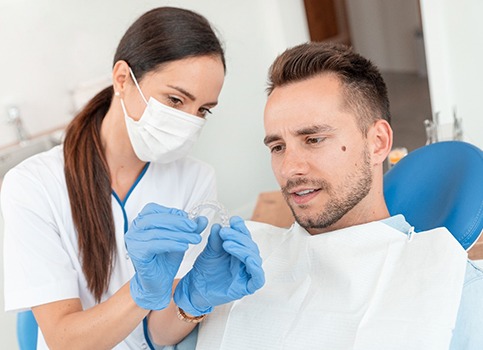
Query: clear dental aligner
x=212 y=205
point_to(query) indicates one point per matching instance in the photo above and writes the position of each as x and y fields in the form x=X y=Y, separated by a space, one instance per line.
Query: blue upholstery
x=440 y=184
x=27 y=330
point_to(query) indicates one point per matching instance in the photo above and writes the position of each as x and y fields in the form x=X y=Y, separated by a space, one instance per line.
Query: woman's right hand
x=228 y=268
x=156 y=243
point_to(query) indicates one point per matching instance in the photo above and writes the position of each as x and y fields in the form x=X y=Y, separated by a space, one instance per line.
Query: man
x=346 y=275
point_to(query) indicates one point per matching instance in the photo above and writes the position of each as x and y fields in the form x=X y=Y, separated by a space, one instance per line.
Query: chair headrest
x=440 y=184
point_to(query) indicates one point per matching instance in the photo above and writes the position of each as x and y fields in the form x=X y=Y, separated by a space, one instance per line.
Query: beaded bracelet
x=190 y=319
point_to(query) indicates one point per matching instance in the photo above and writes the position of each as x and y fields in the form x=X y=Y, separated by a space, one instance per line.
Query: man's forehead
x=312 y=93
x=327 y=81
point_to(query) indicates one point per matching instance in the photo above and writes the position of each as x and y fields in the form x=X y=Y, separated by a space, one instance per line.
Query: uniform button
x=144 y=346
x=127 y=256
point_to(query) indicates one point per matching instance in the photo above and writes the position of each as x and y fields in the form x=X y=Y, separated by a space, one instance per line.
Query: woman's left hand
x=156 y=243
x=229 y=268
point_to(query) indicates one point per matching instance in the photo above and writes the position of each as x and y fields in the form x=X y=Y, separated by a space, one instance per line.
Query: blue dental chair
x=440 y=184
x=27 y=330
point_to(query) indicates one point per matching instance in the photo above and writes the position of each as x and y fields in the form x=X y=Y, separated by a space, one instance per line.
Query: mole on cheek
x=343 y=148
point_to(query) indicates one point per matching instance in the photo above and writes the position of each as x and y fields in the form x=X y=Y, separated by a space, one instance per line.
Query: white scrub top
x=41 y=256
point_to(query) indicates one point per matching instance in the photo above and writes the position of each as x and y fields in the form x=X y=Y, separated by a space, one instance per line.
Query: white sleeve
x=37 y=267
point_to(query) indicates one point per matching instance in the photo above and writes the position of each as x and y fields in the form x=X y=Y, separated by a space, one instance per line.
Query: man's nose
x=294 y=164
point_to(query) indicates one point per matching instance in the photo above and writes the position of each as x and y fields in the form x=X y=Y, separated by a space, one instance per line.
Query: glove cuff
x=146 y=300
x=182 y=299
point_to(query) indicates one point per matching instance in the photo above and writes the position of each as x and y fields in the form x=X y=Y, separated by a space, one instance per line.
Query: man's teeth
x=301 y=193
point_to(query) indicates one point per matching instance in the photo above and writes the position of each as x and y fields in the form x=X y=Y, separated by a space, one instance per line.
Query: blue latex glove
x=156 y=243
x=227 y=269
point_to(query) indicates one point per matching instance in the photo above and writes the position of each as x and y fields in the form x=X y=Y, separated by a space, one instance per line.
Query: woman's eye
x=204 y=111
x=174 y=101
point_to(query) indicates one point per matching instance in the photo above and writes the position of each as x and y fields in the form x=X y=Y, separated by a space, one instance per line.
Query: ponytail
x=89 y=187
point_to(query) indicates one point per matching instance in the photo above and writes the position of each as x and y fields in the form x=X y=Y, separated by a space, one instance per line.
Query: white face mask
x=162 y=134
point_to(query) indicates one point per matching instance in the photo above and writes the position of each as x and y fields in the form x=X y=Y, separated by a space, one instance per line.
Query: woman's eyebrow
x=184 y=92
x=190 y=95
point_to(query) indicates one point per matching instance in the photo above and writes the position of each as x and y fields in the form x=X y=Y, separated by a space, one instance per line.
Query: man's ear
x=380 y=137
x=120 y=76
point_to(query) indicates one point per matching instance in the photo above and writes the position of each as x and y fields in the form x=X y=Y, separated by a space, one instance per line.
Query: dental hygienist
x=92 y=243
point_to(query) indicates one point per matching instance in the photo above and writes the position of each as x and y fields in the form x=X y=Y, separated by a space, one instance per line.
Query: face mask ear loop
x=137 y=85
x=123 y=107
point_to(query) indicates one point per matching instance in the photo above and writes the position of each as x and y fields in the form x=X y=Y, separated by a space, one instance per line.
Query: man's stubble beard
x=340 y=200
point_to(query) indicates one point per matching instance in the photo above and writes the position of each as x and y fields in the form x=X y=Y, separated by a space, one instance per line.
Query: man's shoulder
x=474 y=273
x=468 y=332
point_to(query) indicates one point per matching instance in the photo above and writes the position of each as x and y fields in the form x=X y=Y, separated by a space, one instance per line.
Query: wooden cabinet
x=327 y=20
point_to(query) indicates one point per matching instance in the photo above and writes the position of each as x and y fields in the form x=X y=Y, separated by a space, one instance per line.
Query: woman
x=72 y=256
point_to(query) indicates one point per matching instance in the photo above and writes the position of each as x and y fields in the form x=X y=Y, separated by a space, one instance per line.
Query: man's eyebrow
x=308 y=130
x=314 y=129
x=270 y=138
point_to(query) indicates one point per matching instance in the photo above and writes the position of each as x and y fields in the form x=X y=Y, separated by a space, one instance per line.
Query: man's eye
x=276 y=149
x=315 y=140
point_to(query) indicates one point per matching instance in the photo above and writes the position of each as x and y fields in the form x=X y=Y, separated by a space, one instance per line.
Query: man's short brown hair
x=364 y=88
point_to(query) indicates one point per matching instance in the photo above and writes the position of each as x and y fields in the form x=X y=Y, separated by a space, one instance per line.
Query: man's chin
x=315 y=223
x=308 y=222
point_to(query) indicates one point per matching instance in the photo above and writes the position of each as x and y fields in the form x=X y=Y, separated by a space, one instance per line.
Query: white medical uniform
x=41 y=255
x=364 y=287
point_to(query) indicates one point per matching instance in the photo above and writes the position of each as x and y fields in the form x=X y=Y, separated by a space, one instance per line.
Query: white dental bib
x=363 y=287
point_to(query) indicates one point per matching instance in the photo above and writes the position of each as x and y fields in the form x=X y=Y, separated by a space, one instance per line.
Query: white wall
x=384 y=31
x=7 y=320
x=453 y=33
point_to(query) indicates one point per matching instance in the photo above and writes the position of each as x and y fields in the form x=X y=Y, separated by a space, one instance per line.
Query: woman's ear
x=380 y=136
x=120 y=76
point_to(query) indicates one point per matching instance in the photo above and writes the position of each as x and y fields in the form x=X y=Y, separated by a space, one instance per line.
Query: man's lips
x=303 y=195
x=301 y=191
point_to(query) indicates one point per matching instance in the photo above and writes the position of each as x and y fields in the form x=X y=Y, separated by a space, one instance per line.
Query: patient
x=346 y=275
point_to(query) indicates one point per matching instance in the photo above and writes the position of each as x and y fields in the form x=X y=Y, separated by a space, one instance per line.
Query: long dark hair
x=159 y=36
